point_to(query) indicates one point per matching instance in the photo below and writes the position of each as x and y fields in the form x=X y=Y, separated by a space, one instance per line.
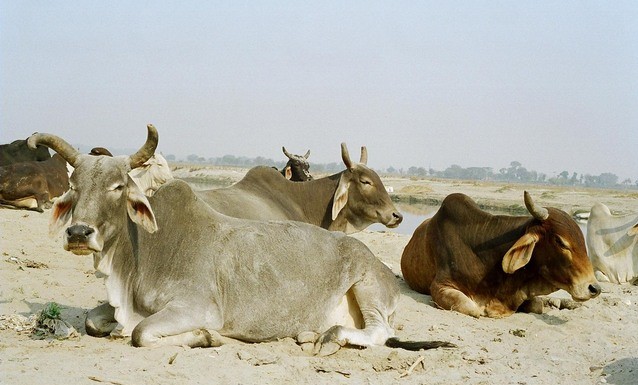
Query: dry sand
x=596 y=343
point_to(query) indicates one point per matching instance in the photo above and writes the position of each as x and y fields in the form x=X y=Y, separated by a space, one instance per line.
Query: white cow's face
x=101 y=194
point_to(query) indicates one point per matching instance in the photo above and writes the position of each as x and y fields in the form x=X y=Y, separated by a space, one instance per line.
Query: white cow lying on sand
x=612 y=242
x=148 y=177
x=152 y=174
x=180 y=273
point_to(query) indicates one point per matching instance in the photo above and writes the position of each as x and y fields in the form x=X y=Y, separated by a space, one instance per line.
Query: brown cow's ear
x=520 y=253
x=341 y=196
x=139 y=208
x=288 y=172
x=633 y=231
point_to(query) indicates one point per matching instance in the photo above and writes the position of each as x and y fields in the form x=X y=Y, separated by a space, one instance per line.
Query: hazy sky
x=550 y=84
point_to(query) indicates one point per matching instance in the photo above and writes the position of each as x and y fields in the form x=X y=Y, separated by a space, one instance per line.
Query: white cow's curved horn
x=147 y=150
x=537 y=212
x=55 y=143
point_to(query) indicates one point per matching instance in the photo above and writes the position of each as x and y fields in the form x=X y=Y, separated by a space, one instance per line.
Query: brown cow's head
x=367 y=200
x=557 y=246
x=101 y=195
x=297 y=168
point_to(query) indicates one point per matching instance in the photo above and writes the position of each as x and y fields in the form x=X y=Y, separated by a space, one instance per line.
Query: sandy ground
x=596 y=343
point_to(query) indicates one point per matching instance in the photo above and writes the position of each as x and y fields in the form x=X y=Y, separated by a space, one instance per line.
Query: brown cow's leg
x=450 y=298
x=538 y=304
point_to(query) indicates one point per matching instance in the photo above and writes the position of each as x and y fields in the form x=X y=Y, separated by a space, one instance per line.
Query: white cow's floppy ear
x=61 y=213
x=520 y=253
x=139 y=208
x=341 y=195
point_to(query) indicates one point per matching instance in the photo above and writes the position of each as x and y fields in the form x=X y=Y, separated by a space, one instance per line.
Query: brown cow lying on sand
x=490 y=265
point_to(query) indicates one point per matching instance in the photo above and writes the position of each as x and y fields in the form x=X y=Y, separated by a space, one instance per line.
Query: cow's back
x=260 y=195
x=236 y=258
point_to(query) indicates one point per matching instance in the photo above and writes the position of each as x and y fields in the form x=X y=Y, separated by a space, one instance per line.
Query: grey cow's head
x=361 y=198
x=101 y=195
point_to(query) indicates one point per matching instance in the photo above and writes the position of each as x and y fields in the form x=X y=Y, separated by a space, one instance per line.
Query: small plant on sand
x=50 y=324
x=51 y=311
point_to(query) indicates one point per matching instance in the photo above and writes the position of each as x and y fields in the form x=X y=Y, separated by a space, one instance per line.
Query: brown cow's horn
x=540 y=213
x=55 y=143
x=364 y=155
x=345 y=156
x=307 y=154
x=289 y=155
x=147 y=150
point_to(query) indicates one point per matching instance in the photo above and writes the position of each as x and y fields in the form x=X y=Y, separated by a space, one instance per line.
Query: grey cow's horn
x=364 y=155
x=307 y=154
x=55 y=143
x=289 y=155
x=540 y=213
x=345 y=156
x=147 y=150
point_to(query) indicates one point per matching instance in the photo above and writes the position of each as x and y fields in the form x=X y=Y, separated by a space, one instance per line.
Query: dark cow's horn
x=364 y=155
x=345 y=156
x=307 y=154
x=540 y=213
x=147 y=150
x=289 y=155
x=55 y=143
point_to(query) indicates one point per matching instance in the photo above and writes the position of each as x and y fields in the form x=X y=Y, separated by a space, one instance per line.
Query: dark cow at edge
x=297 y=168
x=180 y=273
x=490 y=265
x=348 y=201
x=31 y=185
x=18 y=151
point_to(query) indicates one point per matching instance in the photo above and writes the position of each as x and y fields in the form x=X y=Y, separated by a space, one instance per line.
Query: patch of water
x=413 y=218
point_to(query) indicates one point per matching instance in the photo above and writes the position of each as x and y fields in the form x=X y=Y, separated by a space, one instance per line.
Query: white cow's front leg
x=100 y=321
x=174 y=327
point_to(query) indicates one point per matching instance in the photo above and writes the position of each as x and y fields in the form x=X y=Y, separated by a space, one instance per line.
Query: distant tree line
x=243 y=161
x=514 y=173
x=517 y=173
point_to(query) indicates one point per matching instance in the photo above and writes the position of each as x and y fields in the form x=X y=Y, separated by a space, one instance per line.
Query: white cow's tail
x=417 y=345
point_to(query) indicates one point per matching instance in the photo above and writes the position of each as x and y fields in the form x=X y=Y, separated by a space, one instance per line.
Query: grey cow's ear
x=520 y=253
x=341 y=196
x=139 y=208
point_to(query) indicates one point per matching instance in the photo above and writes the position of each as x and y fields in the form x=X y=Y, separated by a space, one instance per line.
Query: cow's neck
x=315 y=199
x=118 y=261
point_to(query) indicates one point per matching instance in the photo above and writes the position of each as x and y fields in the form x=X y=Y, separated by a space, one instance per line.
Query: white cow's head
x=101 y=195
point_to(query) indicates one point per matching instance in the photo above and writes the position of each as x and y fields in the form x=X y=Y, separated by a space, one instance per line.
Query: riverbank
x=593 y=344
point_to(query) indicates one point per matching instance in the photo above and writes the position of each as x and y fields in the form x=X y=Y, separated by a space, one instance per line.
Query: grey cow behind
x=180 y=273
x=348 y=201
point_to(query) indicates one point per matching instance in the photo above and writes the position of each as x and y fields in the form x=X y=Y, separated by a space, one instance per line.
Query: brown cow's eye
x=561 y=243
x=366 y=182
